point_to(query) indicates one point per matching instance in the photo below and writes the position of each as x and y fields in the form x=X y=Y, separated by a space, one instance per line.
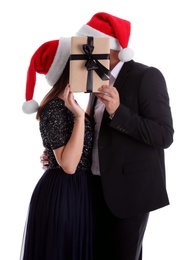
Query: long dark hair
x=57 y=89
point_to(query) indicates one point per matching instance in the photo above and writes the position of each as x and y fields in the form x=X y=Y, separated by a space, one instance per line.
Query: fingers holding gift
x=110 y=97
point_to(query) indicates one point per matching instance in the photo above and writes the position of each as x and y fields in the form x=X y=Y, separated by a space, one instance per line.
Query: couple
x=106 y=167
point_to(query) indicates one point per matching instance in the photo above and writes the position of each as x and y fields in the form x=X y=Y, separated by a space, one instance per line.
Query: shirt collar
x=115 y=71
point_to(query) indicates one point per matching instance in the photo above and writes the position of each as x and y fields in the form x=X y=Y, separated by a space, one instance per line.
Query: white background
x=162 y=36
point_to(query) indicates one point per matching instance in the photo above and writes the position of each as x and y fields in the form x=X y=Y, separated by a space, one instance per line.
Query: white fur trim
x=59 y=62
x=30 y=107
x=87 y=30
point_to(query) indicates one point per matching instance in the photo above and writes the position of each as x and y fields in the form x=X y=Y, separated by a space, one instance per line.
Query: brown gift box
x=89 y=63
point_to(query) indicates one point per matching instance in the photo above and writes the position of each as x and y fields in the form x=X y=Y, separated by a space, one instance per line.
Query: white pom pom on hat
x=126 y=54
x=49 y=59
x=30 y=106
x=118 y=30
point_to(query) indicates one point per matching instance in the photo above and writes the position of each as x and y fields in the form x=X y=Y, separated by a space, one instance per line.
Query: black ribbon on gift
x=92 y=63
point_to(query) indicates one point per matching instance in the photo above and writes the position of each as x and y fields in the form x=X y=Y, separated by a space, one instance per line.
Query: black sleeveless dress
x=59 y=223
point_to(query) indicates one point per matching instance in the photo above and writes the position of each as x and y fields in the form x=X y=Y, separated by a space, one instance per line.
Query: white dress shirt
x=98 y=113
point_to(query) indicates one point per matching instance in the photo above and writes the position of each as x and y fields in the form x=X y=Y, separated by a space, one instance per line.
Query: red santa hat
x=117 y=29
x=49 y=59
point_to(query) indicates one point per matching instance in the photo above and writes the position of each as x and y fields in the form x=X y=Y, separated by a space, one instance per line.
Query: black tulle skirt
x=59 y=223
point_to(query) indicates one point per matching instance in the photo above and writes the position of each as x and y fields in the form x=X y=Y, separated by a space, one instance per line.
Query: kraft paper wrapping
x=85 y=63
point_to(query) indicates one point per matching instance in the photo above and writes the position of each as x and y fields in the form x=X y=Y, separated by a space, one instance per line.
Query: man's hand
x=44 y=160
x=110 y=97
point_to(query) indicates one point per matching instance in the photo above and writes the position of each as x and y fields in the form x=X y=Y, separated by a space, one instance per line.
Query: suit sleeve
x=152 y=122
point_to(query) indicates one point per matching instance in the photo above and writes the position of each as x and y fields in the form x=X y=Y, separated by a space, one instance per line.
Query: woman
x=59 y=224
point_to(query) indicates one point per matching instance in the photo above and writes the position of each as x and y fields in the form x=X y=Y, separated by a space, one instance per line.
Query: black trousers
x=115 y=238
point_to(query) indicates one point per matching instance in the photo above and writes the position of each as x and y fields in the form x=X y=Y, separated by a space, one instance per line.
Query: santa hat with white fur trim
x=49 y=59
x=117 y=29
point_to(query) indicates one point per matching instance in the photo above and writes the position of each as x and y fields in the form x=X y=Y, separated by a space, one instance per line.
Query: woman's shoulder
x=55 y=103
x=53 y=107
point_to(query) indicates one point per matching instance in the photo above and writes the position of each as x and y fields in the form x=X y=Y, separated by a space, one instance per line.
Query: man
x=133 y=126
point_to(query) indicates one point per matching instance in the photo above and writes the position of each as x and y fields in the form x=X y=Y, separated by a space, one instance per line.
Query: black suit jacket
x=131 y=145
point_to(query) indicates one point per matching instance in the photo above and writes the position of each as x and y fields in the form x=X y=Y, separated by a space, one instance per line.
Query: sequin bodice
x=56 y=124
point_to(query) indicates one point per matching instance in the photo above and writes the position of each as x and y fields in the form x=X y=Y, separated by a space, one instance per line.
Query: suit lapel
x=122 y=76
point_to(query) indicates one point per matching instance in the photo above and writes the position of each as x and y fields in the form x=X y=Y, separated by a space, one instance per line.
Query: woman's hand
x=71 y=104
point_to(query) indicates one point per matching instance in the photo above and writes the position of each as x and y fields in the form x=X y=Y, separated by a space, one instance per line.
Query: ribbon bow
x=92 y=63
